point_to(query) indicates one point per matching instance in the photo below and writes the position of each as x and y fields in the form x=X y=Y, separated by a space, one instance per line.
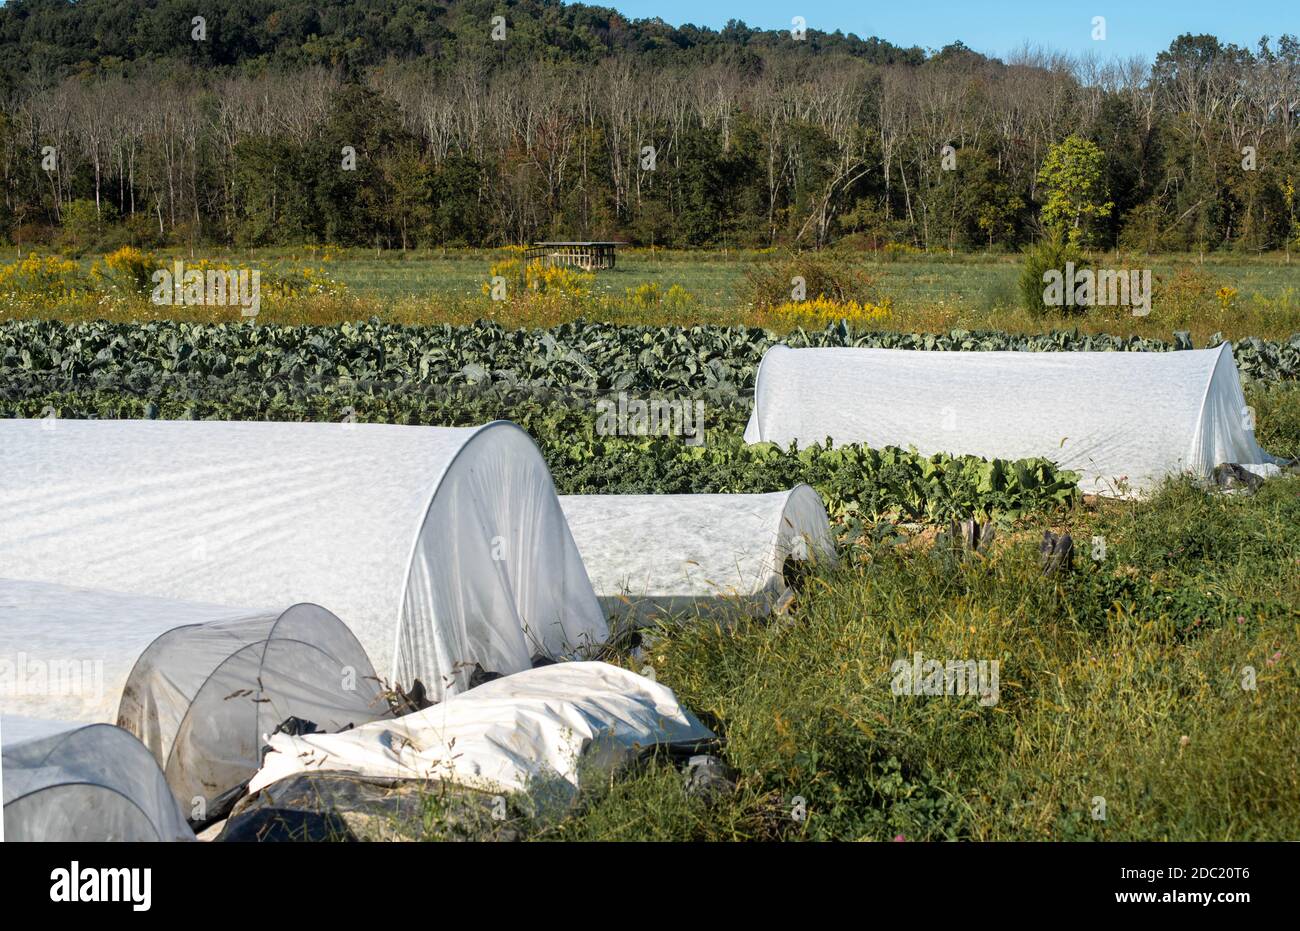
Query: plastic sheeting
x=65 y=652
x=94 y=782
x=202 y=698
x=1121 y=419
x=439 y=547
x=534 y=731
x=651 y=555
x=17 y=728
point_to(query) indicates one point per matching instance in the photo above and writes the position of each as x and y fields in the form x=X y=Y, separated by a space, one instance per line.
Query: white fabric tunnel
x=439 y=547
x=651 y=556
x=1123 y=420
x=65 y=781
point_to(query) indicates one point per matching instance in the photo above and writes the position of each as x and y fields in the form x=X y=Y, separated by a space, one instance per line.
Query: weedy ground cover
x=1237 y=296
x=1150 y=695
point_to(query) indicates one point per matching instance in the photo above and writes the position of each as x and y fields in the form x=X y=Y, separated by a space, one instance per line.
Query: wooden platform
x=589 y=256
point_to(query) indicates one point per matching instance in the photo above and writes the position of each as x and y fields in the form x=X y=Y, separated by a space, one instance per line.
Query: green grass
x=1122 y=682
x=929 y=292
x=716 y=277
x=1277 y=417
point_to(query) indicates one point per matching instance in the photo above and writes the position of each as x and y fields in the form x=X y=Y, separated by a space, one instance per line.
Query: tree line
x=581 y=124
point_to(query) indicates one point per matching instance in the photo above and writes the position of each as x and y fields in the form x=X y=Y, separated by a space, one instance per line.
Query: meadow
x=1232 y=295
x=1152 y=693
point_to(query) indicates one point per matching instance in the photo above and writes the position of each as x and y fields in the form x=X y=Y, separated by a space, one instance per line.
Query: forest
x=412 y=124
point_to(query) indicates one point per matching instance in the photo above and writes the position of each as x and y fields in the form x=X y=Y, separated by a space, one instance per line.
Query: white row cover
x=1121 y=419
x=66 y=652
x=654 y=555
x=203 y=697
x=64 y=781
x=440 y=547
x=534 y=731
x=198 y=684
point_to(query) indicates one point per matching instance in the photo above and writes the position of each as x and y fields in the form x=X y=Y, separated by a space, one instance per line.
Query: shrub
x=127 y=269
x=649 y=295
x=772 y=284
x=644 y=296
x=1188 y=286
x=538 y=277
x=41 y=277
x=678 y=298
x=1052 y=253
x=300 y=281
x=32 y=234
x=1146 y=229
x=84 y=223
x=893 y=250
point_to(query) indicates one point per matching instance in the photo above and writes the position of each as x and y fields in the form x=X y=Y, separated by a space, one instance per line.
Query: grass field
x=716 y=277
x=1232 y=295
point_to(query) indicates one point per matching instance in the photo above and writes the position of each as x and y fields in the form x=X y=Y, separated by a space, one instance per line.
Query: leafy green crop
x=713 y=362
x=548 y=381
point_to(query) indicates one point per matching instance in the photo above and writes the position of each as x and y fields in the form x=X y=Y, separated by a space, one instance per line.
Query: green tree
x=460 y=212
x=274 y=182
x=84 y=224
x=1073 y=177
x=975 y=205
x=410 y=186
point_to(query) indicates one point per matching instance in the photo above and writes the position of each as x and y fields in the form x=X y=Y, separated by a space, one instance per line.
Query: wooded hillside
x=118 y=126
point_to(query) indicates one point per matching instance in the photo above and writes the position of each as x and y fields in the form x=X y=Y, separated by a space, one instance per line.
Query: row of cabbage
x=575 y=357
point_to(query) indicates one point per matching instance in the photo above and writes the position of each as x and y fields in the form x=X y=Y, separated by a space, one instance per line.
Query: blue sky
x=1134 y=27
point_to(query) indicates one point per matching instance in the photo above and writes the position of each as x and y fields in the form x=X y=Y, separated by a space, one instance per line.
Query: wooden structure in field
x=589 y=256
